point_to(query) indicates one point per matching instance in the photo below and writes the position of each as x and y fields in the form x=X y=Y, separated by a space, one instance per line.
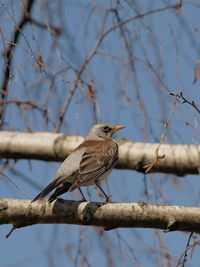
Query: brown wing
x=97 y=160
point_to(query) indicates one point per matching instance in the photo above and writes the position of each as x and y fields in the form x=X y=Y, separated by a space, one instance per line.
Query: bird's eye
x=106 y=129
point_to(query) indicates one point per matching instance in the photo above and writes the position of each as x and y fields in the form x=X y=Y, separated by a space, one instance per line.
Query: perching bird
x=90 y=163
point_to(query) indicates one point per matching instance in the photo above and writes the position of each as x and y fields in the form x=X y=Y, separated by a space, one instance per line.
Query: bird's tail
x=60 y=190
x=47 y=189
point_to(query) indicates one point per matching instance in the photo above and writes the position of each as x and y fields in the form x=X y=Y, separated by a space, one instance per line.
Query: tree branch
x=176 y=159
x=27 y=8
x=22 y=213
x=91 y=54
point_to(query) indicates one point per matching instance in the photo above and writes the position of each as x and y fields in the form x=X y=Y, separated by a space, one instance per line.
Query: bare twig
x=186 y=249
x=190 y=246
x=178 y=7
x=55 y=30
x=88 y=58
x=9 y=55
x=185 y=100
x=29 y=105
x=150 y=165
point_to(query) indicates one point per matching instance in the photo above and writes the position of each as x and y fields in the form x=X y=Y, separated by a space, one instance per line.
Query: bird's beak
x=117 y=128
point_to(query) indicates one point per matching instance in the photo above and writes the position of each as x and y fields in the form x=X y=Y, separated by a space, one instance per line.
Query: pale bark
x=22 y=213
x=178 y=159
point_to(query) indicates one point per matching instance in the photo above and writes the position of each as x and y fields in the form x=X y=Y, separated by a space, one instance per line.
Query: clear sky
x=132 y=73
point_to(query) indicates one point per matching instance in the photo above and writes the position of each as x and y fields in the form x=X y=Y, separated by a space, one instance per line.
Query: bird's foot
x=109 y=200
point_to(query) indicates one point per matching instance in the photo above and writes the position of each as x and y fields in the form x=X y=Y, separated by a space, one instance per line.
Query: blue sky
x=162 y=47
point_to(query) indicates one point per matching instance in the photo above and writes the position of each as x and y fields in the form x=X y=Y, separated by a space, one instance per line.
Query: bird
x=89 y=164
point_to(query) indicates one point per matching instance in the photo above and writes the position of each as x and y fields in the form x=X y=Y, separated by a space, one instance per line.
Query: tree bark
x=177 y=159
x=22 y=213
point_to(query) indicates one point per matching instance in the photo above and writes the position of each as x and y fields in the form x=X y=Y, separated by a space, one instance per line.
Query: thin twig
x=9 y=55
x=88 y=58
x=150 y=165
x=185 y=100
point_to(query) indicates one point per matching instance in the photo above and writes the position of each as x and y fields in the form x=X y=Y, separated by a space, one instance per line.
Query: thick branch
x=178 y=159
x=109 y=216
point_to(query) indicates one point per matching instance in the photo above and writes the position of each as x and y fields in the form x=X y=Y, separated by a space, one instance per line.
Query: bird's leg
x=83 y=197
x=106 y=196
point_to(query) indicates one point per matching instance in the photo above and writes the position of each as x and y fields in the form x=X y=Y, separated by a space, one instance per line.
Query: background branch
x=27 y=8
x=177 y=159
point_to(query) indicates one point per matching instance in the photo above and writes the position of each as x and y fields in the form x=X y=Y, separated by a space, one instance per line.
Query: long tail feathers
x=46 y=190
x=60 y=190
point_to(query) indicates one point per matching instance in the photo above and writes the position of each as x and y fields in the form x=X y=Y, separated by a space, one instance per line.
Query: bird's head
x=102 y=131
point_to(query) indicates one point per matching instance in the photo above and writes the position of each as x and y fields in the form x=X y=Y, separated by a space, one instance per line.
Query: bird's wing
x=98 y=158
x=65 y=175
x=68 y=170
x=86 y=163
